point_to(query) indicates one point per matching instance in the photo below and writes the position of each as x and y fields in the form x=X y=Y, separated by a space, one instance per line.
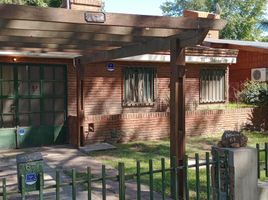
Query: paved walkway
x=66 y=158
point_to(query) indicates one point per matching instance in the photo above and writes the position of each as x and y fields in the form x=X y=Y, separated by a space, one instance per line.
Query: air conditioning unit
x=259 y=74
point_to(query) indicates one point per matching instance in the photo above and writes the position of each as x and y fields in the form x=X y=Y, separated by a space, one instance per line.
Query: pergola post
x=79 y=99
x=177 y=111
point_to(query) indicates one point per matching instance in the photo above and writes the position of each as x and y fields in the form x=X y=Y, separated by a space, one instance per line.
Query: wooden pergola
x=91 y=37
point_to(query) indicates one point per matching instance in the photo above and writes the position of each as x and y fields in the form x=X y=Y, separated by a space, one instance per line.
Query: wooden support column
x=79 y=99
x=177 y=110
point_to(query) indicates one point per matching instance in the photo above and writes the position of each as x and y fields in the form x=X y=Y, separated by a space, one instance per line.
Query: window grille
x=138 y=86
x=212 y=85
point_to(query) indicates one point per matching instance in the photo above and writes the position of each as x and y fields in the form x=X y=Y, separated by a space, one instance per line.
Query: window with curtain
x=138 y=86
x=212 y=85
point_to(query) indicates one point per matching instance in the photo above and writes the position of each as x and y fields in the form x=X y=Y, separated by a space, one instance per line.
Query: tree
x=242 y=15
x=39 y=3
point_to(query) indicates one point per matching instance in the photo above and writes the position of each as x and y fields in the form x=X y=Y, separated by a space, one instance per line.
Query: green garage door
x=32 y=104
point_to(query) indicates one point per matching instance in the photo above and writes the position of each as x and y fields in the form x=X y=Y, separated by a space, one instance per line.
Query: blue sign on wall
x=110 y=67
x=30 y=178
x=21 y=131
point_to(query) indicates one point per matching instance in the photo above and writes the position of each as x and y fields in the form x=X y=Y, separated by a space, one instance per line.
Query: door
x=36 y=108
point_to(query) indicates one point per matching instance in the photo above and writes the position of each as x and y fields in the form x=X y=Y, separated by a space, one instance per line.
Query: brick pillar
x=86 y=5
x=198 y=14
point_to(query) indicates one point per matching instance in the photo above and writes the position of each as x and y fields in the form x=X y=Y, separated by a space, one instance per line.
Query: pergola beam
x=70 y=36
x=85 y=28
x=112 y=19
x=25 y=41
x=190 y=38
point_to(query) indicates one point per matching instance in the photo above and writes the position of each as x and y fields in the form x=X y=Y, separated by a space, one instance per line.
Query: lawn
x=129 y=153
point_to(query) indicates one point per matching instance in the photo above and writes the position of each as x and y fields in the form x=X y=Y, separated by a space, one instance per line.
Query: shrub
x=255 y=93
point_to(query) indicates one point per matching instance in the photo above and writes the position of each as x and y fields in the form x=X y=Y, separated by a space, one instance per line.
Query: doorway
x=32 y=105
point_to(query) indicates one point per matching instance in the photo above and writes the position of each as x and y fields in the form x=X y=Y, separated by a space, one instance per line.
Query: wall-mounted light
x=95 y=17
x=14 y=59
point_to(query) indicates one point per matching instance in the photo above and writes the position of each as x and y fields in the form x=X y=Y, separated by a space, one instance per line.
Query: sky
x=142 y=7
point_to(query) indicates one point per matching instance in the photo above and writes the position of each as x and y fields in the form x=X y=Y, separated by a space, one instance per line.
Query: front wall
x=103 y=91
x=103 y=98
x=241 y=71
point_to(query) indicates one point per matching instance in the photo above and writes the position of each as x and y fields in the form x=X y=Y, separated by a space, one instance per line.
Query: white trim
x=140 y=58
x=211 y=60
x=188 y=59
x=39 y=55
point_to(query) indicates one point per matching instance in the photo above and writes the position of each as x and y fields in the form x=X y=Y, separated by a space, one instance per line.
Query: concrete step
x=263 y=190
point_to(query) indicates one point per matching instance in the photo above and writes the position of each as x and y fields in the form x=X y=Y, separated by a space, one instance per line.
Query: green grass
x=230 y=105
x=129 y=153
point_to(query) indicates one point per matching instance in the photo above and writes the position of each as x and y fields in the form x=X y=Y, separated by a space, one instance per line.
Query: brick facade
x=105 y=115
x=241 y=71
x=155 y=125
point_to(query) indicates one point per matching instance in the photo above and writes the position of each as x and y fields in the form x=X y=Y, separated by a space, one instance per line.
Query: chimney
x=86 y=5
x=195 y=14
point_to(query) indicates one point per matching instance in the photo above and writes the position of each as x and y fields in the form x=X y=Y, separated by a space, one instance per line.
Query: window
x=138 y=86
x=212 y=85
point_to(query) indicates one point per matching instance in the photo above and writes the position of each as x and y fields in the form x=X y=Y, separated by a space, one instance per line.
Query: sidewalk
x=66 y=158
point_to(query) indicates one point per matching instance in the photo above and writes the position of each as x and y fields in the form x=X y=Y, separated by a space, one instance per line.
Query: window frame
x=217 y=72
x=153 y=88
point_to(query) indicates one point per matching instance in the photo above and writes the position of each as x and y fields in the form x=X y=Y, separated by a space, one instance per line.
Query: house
x=110 y=93
x=253 y=56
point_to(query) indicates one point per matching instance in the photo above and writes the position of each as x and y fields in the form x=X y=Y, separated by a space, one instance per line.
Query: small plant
x=255 y=93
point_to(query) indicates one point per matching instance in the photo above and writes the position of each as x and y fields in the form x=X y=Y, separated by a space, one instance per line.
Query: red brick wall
x=103 y=92
x=241 y=71
x=151 y=126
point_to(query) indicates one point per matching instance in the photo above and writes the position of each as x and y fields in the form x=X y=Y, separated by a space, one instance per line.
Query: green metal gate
x=32 y=105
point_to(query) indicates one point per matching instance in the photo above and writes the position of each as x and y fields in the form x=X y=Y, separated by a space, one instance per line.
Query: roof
x=95 y=36
x=238 y=44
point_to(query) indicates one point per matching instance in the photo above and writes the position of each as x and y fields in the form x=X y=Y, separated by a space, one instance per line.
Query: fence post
x=73 y=184
x=41 y=186
x=227 y=174
x=57 y=185
x=121 y=175
x=103 y=174
x=23 y=188
x=163 y=174
x=185 y=172
x=4 y=184
x=266 y=159
x=151 y=179
x=217 y=173
x=208 y=175
x=174 y=178
x=258 y=159
x=138 y=180
x=89 y=183
x=197 y=181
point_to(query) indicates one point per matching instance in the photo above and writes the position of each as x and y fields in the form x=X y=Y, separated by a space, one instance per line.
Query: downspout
x=68 y=4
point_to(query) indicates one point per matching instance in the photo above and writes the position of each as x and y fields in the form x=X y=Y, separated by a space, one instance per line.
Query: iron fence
x=212 y=185
x=262 y=157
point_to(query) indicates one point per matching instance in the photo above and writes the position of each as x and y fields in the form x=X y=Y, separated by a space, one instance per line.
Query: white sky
x=142 y=7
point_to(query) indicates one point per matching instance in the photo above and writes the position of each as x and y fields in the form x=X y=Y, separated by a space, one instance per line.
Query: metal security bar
x=201 y=190
x=212 y=85
x=138 y=86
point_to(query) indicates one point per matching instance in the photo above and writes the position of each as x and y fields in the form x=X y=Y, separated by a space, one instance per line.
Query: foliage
x=242 y=15
x=255 y=93
x=39 y=3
